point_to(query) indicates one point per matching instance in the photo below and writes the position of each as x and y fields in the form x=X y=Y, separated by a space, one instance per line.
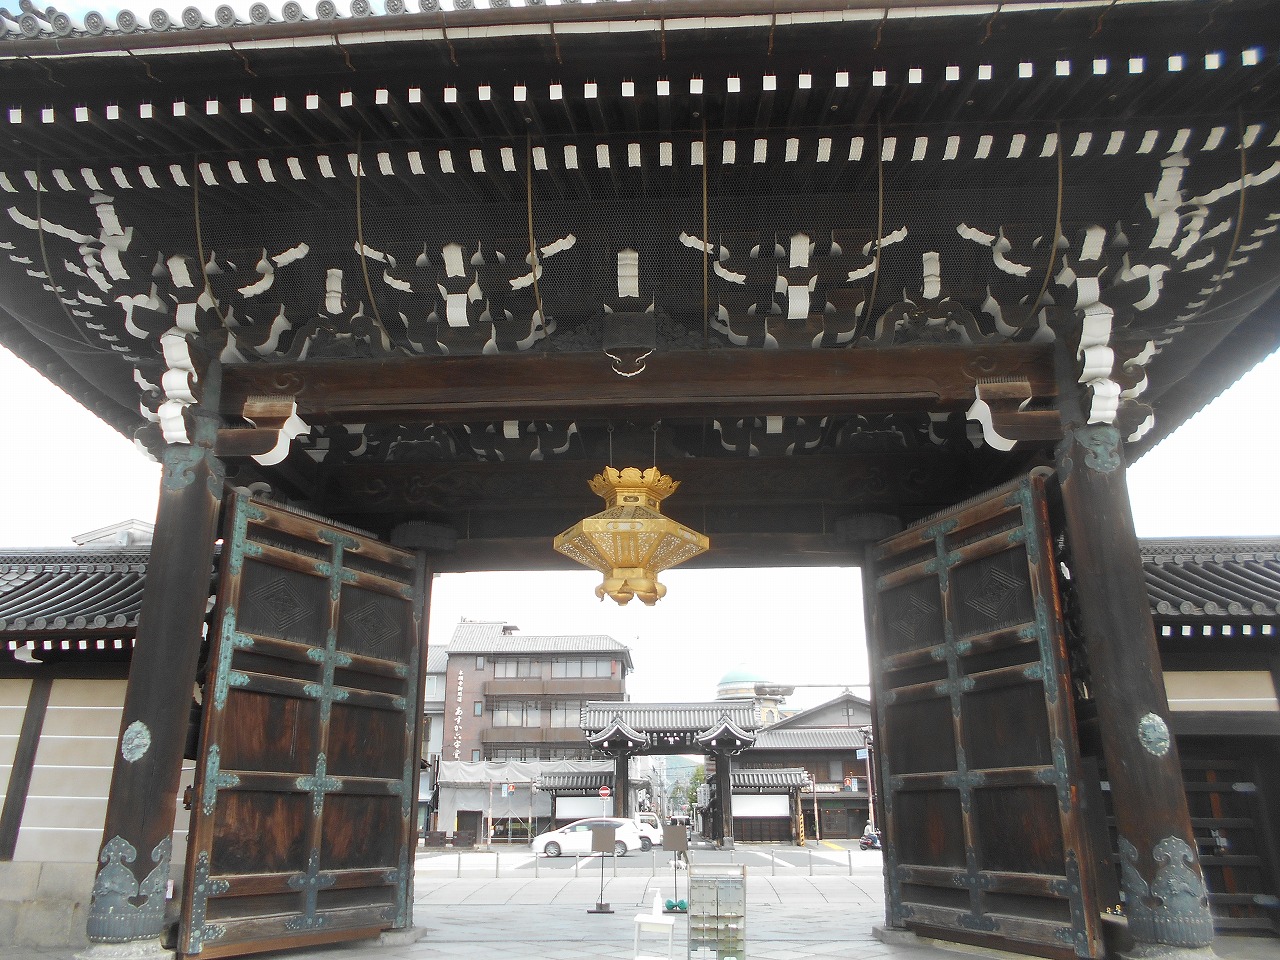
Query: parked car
x=575 y=838
x=650 y=831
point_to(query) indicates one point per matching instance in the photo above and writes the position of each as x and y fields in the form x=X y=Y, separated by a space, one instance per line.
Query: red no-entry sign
x=604 y=792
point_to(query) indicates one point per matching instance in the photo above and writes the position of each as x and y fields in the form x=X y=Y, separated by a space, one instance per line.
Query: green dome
x=741 y=674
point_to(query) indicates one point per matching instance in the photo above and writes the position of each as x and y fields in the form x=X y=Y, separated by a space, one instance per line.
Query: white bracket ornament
x=1003 y=409
x=275 y=423
x=178 y=385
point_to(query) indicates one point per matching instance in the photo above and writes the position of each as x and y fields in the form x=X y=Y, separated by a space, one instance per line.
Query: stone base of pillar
x=1160 y=951
x=726 y=843
x=134 y=950
x=393 y=938
x=901 y=937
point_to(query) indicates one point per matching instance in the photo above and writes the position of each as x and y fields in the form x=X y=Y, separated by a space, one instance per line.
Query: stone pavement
x=545 y=918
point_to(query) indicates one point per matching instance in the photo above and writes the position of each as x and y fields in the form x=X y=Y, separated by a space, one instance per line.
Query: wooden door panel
x=303 y=826
x=979 y=763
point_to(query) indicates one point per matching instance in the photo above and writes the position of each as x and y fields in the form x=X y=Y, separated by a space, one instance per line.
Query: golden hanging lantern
x=630 y=541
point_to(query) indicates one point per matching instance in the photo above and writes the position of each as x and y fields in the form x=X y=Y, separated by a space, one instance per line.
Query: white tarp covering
x=501 y=789
x=460 y=772
x=756 y=805
x=578 y=808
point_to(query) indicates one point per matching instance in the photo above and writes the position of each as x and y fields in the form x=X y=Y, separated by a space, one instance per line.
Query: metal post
x=459 y=873
x=810 y=853
x=773 y=864
x=129 y=891
x=497 y=859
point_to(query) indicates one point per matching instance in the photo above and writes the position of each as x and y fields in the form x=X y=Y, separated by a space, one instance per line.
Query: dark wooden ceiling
x=877 y=198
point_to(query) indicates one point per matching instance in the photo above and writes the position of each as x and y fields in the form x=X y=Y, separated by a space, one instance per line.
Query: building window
x=430 y=689
x=836 y=770
x=479 y=663
x=517 y=667
x=477 y=708
x=567 y=713
x=517 y=713
x=572 y=669
x=475 y=756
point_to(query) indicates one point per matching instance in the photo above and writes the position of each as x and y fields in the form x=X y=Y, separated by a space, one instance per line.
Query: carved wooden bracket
x=275 y=422
x=1002 y=408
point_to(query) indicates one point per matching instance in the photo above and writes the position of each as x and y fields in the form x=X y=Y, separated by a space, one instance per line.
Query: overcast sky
x=64 y=472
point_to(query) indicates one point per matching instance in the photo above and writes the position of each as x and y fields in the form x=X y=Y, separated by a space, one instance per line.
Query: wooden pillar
x=724 y=797
x=1165 y=899
x=621 y=783
x=133 y=875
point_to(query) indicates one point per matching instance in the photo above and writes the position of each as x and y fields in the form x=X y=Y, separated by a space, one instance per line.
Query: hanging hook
x=610 y=445
x=656 y=425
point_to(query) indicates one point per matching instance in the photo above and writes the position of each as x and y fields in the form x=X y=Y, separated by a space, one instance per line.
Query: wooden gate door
x=978 y=759
x=303 y=827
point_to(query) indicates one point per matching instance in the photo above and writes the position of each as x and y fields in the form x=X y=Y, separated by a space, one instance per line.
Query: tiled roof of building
x=437 y=659
x=799 y=718
x=492 y=638
x=1213 y=577
x=810 y=738
x=576 y=781
x=676 y=717
x=785 y=777
x=87 y=590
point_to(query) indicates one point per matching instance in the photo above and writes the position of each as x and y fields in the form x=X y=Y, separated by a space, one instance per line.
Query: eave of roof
x=1213 y=577
x=692 y=717
x=37 y=34
x=810 y=738
x=71 y=593
x=786 y=777
x=488 y=638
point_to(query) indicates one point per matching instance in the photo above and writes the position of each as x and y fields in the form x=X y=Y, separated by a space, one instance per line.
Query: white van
x=650 y=828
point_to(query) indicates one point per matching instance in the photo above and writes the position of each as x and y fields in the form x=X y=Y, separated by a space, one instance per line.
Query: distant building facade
x=829 y=742
x=508 y=696
x=497 y=698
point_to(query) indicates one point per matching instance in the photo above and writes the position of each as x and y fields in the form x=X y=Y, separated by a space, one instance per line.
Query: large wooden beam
x=929 y=477
x=569 y=386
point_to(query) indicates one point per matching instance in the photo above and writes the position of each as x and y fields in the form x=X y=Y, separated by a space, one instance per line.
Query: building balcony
x=565 y=735
x=586 y=688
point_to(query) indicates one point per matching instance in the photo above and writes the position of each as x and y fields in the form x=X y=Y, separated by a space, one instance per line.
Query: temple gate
x=837 y=267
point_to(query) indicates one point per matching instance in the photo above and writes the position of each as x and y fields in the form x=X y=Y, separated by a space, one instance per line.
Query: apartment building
x=508 y=696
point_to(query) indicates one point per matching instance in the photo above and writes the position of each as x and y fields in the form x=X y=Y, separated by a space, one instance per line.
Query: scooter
x=869 y=841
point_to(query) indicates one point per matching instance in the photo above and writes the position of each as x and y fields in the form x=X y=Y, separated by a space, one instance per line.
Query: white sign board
x=755 y=805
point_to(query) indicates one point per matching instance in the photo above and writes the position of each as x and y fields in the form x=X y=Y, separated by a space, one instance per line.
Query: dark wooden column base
x=1166 y=903
x=130 y=889
x=724 y=797
x=621 y=784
